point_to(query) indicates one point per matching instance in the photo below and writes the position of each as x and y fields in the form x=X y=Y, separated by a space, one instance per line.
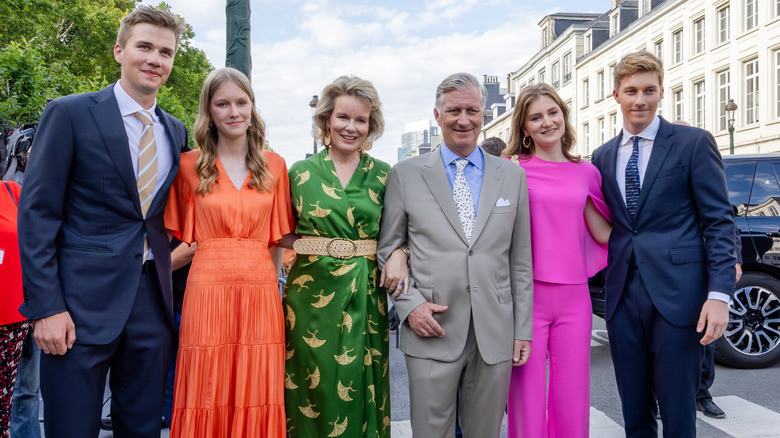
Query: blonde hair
x=638 y=62
x=355 y=87
x=206 y=134
x=159 y=16
x=527 y=96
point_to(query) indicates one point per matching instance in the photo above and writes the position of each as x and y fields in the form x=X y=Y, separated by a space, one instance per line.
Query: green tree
x=52 y=48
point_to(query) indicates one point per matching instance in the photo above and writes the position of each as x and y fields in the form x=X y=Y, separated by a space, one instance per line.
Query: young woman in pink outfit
x=569 y=232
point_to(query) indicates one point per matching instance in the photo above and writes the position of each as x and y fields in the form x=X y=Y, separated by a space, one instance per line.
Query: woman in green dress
x=336 y=374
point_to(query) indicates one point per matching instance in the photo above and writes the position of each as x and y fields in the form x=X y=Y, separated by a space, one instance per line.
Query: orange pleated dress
x=230 y=366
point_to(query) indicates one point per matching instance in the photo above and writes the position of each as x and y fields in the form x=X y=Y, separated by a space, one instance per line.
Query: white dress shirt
x=134 y=129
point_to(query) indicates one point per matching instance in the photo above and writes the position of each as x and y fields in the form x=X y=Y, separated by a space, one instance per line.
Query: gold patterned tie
x=147 y=168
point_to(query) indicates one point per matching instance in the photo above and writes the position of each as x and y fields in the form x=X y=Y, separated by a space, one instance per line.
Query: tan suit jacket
x=489 y=280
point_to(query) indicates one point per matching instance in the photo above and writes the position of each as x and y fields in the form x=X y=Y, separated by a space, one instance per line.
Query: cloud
x=404 y=50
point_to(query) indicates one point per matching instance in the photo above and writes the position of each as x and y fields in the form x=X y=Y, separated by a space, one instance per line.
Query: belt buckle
x=341 y=251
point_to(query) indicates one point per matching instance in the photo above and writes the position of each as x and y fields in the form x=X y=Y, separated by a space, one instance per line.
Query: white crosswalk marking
x=599 y=338
x=744 y=419
x=604 y=427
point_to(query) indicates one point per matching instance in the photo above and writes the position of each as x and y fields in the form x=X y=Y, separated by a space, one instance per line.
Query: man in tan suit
x=467 y=314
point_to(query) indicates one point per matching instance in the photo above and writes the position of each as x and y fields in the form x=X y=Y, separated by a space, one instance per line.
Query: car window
x=765 y=196
x=739 y=177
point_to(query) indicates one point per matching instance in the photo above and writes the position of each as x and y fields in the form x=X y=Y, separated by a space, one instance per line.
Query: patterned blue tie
x=632 y=179
x=463 y=200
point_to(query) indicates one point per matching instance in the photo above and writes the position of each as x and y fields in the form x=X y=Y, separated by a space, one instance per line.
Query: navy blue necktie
x=632 y=179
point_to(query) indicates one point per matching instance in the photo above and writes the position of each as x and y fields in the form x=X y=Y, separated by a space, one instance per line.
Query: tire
x=752 y=337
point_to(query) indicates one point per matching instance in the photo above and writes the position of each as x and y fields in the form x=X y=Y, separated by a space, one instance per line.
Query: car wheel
x=752 y=337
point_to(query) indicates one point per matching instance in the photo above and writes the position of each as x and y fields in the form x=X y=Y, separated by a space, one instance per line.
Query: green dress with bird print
x=336 y=377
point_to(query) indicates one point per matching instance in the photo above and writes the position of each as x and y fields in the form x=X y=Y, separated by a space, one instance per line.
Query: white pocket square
x=502 y=202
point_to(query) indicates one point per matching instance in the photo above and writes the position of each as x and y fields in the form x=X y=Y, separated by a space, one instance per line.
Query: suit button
x=471 y=252
x=636 y=232
x=468 y=288
x=138 y=256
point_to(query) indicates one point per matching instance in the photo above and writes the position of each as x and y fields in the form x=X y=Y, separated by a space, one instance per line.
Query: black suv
x=752 y=338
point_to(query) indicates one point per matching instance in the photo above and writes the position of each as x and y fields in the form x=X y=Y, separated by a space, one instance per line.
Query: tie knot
x=635 y=139
x=461 y=163
x=144 y=117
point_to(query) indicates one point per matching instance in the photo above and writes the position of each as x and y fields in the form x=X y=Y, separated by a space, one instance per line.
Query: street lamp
x=313 y=105
x=730 y=108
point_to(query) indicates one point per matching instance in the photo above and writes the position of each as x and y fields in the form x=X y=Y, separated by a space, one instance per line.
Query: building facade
x=712 y=51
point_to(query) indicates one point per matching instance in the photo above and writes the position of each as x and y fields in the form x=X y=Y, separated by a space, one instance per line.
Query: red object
x=10 y=267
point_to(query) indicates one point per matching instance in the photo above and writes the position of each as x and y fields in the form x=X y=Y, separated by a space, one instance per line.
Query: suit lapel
x=492 y=179
x=109 y=123
x=436 y=179
x=610 y=185
x=175 y=150
x=661 y=147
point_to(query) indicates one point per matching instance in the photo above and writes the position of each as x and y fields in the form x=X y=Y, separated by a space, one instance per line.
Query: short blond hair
x=638 y=62
x=355 y=87
x=159 y=16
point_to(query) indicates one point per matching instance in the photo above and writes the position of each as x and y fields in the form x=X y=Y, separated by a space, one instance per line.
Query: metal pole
x=239 y=53
x=731 y=138
x=313 y=106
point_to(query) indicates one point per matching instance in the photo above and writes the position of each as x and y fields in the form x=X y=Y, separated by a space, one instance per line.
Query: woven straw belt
x=338 y=248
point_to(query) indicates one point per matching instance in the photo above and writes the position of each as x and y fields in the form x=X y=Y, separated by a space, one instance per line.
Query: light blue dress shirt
x=473 y=171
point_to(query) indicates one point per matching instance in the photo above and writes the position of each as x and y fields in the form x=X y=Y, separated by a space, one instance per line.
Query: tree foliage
x=51 y=48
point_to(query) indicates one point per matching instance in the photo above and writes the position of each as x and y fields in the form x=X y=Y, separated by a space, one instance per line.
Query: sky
x=405 y=48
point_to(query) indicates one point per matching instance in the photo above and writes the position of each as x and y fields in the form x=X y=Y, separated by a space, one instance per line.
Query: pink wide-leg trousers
x=561 y=344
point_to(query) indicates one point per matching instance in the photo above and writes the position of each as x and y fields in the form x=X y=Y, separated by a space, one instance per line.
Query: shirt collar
x=475 y=158
x=648 y=133
x=128 y=105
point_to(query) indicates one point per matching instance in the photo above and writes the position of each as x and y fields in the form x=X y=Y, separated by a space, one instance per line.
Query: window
x=739 y=179
x=586 y=137
x=610 y=80
x=644 y=7
x=677 y=44
x=724 y=15
x=585 y=93
x=600 y=84
x=602 y=130
x=586 y=49
x=763 y=196
x=567 y=67
x=556 y=73
x=751 y=14
x=698 y=36
x=613 y=124
x=751 y=91
x=678 y=104
x=724 y=93
x=777 y=82
x=658 y=49
x=698 y=104
x=613 y=29
x=571 y=113
x=531 y=82
x=541 y=76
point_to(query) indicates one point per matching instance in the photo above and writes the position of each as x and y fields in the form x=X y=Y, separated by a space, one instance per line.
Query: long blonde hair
x=206 y=134
x=516 y=142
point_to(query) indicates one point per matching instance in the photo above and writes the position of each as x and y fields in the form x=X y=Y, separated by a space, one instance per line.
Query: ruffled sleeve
x=282 y=221
x=180 y=210
x=595 y=253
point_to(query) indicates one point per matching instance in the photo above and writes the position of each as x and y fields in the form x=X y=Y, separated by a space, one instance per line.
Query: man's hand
x=715 y=315
x=738 y=267
x=521 y=352
x=422 y=322
x=55 y=334
x=395 y=274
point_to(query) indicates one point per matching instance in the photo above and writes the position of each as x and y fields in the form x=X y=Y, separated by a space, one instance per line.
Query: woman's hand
x=395 y=275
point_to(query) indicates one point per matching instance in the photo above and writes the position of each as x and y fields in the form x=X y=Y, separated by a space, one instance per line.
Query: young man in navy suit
x=671 y=253
x=95 y=256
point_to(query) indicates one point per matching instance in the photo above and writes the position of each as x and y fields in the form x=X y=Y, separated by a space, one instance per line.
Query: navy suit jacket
x=683 y=234
x=80 y=223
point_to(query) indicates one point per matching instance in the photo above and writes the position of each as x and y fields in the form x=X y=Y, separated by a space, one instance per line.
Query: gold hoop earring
x=326 y=139
x=527 y=142
x=211 y=123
